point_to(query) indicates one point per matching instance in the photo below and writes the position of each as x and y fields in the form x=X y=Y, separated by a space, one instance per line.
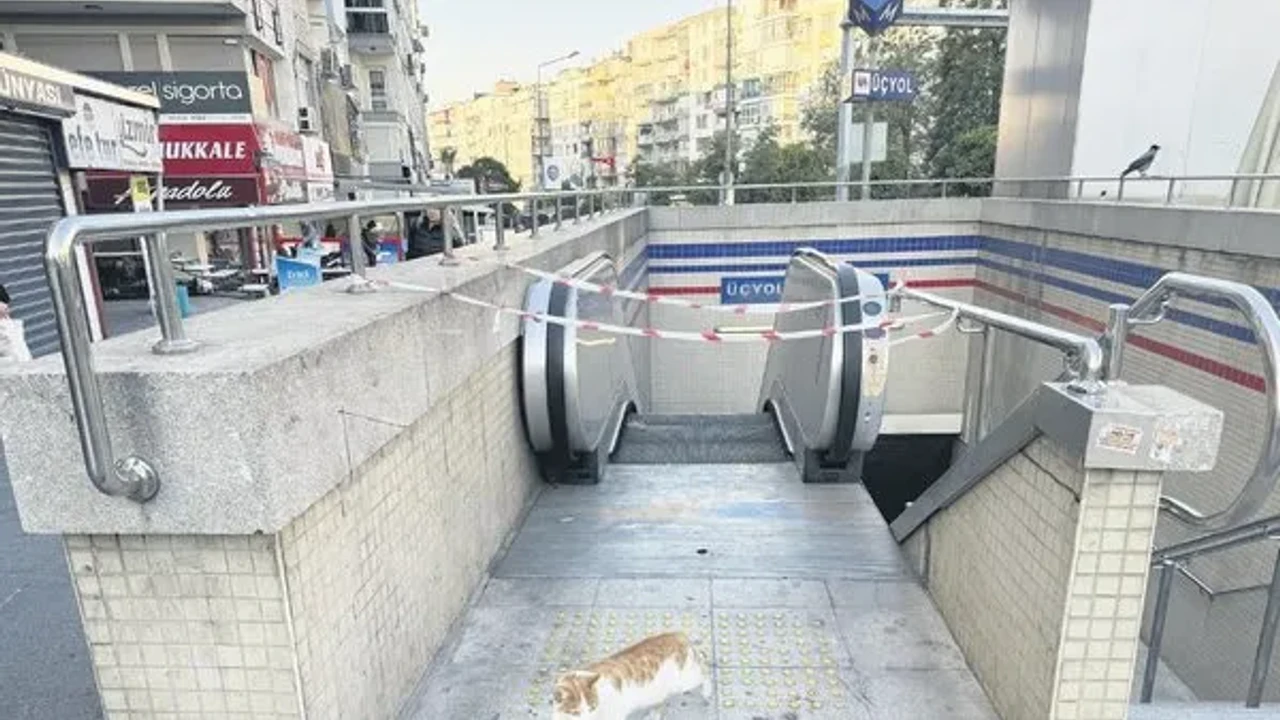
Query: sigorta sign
x=190 y=93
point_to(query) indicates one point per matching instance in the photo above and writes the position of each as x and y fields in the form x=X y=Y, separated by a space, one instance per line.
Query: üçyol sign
x=884 y=85
x=751 y=290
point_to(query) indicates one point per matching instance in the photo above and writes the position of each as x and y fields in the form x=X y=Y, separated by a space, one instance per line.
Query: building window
x=367 y=17
x=702 y=122
x=378 y=99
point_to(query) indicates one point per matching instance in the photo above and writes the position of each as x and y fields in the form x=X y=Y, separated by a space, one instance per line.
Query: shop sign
x=294 y=273
x=281 y=190
x=105 y=135
x=282 y=151
x=319 y=191
x=113 y=192
x=318 y=162
x=191 y=96
x=37 y=93
x=204 y=150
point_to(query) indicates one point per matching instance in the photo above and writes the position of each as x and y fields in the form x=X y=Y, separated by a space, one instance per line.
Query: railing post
x=559 y=212
x=1116 y=337
x=355 y=242
x=1080 y=189
x=988 y=378
x=1156 y=638
x=500 y=234
x=1168 y=194
x=173 y=335
x=793 y=196
x=533 y=215
x=577 y=209
x=448 y=220
x=1231 y=195
x=973 y=396
x=1266 y=641
x=1120 y=192
x=944 y=189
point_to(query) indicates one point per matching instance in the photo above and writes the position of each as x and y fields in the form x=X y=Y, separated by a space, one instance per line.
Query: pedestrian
x=369 y=238
x=13 y=343
x=427 y=236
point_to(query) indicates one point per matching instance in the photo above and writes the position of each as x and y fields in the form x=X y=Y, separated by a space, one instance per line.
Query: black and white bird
x=1142 y=163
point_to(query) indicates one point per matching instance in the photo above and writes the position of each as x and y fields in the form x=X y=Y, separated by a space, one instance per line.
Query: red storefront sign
x=208 y=150
x=217 y=165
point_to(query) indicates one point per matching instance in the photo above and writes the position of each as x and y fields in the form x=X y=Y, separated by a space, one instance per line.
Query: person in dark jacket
x=369 y=238
x=426 y=237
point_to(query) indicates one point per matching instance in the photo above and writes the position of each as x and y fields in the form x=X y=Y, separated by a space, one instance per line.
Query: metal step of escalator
x=700 y=440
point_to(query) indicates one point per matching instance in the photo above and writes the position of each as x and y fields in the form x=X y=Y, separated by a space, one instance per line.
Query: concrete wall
x=929 y=244
x=346 y=469
x=1040 y=572
x=1062 y=264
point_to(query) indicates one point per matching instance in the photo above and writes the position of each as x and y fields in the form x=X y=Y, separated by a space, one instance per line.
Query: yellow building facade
x=661 y=97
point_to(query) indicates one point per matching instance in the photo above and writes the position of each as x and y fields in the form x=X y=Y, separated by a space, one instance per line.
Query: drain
x=702 y=551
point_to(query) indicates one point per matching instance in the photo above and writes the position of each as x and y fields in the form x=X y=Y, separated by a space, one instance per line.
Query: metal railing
x=1073 y=187
x=134 y=477
x=1151 y=308
x=1171 y=560
x=1084 y=355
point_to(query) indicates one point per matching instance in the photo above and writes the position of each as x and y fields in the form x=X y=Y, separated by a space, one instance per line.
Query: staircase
x=700 y=440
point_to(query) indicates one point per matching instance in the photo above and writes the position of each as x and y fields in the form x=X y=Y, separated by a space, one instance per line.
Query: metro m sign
x=874 y=16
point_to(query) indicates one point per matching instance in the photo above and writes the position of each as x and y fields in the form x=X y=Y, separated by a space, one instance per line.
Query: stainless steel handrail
x=1170 y=559
x=1150 y=308
x=133 y=477
x=1084 y=354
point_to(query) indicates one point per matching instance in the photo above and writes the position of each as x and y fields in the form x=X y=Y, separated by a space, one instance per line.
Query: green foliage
x=491 y=174
x=972 y=153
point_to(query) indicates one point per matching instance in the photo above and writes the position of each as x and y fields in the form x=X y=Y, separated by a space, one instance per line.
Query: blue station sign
x=884 y=85
x=766 y=289
x=874 y=16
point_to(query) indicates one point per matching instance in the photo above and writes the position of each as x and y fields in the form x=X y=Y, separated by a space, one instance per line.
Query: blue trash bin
x=184 y=301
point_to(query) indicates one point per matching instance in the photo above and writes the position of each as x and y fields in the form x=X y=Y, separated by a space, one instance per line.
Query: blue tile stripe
x=782 y=267
x=752 y=249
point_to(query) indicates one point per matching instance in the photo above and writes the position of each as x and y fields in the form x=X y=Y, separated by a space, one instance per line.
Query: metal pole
x=1120 y=192
x=500 y=234
x=973 y=395
x=844 y=113
x=793 y=196
x=533 y=214
x=448 y=220
x=869 y=121
x=164 y=288
x=1156 y=638
x=1168 y=196
x=1080 y=190
x=728 y=104
x=355 y=241
x=1231 y=196
x=1117 y=336
x=988 y=380
x=559 y=212
x=944 y=189
x=1266 y=641
x=577 y=209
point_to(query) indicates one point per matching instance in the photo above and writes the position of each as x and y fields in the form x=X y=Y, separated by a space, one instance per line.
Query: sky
x=473 y=43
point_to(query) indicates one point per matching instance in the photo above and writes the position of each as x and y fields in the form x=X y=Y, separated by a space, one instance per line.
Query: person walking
x=426 y=237
x=369 y=238
x=13 y=343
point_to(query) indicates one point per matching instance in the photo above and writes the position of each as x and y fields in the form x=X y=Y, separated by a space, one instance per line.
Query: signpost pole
x=844 y=113
x=868 y=127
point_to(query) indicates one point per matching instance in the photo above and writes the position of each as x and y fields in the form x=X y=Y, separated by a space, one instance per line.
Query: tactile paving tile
x=778 y=638
x=812 y=693
x=579 y=637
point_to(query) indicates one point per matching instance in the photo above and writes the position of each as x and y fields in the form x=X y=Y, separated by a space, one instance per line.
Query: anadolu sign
x=874 y=16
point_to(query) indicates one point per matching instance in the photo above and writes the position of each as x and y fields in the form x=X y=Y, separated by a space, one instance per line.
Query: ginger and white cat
x=642 y=677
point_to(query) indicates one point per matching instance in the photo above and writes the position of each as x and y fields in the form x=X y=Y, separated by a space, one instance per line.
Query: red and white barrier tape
x=708 y=336
x=656 y=299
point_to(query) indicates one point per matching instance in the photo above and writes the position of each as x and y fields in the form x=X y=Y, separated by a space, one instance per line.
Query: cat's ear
x=589 y=678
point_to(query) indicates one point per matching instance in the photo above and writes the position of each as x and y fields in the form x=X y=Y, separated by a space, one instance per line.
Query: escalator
x=820 y=403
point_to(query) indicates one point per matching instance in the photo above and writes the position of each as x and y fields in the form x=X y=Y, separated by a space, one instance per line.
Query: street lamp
x=538 y=117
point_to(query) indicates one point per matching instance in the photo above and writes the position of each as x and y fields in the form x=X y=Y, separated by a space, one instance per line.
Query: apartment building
x=386 y=41
x=662 y=97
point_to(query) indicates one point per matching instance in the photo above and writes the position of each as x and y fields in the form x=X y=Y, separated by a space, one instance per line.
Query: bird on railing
x=1142 y=163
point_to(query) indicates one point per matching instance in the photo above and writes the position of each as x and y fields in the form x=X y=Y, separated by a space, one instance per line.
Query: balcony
x=369 y=32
